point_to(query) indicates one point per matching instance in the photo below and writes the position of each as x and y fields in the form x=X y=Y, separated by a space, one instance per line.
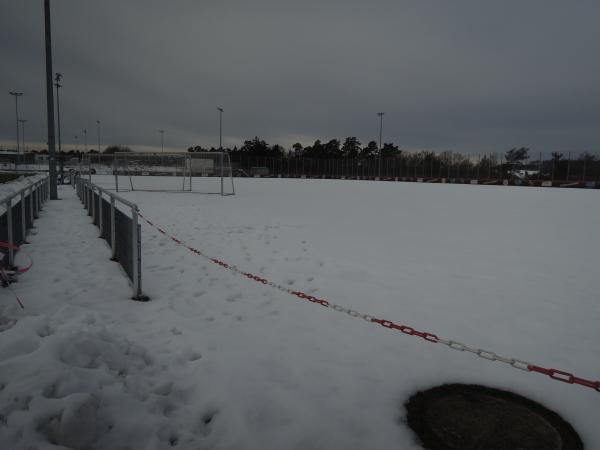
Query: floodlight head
x=380 y=114
x=16 y=94
x=220 y=109
x=58 y=77
x=22 y=120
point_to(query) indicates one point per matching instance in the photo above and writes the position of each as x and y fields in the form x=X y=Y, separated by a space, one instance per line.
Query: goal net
x=204 y=172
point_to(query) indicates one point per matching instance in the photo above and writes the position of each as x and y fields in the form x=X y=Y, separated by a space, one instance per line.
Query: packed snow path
x=217 y=361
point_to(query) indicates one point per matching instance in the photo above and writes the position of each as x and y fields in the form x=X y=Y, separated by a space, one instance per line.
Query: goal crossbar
x=131 y=171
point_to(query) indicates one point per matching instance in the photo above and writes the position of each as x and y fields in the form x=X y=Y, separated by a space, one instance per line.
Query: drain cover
x=471 y=417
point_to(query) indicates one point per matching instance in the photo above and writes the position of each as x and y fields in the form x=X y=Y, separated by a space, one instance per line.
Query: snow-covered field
x=218 y=361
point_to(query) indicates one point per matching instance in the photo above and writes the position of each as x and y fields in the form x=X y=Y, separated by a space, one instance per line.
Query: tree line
x=351 y=148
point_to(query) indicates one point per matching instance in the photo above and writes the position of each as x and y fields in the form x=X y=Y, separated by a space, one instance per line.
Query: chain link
x=555 y=374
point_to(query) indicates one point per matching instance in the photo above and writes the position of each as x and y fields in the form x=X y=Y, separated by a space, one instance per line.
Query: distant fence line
x=21 y=208
x=120 y=230
x=560 y=172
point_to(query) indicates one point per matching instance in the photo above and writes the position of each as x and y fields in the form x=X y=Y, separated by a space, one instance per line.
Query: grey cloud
x=467 y=75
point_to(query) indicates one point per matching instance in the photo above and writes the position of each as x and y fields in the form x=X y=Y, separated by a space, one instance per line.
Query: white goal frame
x=193 y=164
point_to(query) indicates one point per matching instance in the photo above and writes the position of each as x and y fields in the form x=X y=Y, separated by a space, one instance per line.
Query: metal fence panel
x=3 y=238
x=35 y=203
x=96 y=199
x=17 y=224
x=106 y=222
x=28 y=221
x=124 y=242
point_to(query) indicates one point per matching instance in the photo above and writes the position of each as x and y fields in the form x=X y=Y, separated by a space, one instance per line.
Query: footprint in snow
x=233 y=297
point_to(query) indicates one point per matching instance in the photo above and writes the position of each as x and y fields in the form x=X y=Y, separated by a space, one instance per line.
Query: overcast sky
x=467 y=75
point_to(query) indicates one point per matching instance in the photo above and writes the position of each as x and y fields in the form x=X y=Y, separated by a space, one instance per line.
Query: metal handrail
x=136 y=247
x=38 y=188
x=18 y=193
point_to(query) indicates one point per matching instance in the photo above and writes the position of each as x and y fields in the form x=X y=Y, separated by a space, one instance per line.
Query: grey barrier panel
x=106 y=222
x=28 y=218
x=35 y=204
x=96 y=207
x=17 y=224
x=18 y=217
x=124 y=242
x=4 y=261
x=122 y=233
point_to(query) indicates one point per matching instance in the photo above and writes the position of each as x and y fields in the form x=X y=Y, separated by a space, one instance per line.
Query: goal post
x=203 y=172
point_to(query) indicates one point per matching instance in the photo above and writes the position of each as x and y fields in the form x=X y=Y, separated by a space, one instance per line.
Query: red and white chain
x=526 y=366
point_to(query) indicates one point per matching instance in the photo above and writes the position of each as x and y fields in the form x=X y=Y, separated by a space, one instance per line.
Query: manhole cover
x=471 y=417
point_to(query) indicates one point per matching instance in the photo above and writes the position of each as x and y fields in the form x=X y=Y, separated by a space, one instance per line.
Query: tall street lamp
x=380 y=114
x=162 y=140
x=85 y=140
x=57 y=79
x=76 y=143
x=50 y=101
x=23 y=133
x=220 y=128
x=17 y=95
x=61 y=158
x=98 y=131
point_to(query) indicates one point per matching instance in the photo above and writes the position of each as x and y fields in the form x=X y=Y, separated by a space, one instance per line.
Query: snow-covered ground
x=218 y=361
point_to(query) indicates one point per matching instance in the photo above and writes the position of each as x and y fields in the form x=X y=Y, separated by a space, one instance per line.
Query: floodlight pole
x=76 y=143
x=220 y=128
x=162 y=140
x=380 y=114
x=58 y=85
x=23 y=135
x=98 y=131
x=85 y=140
x=50 y=103
x=17 y=95
x=221 y=144
x=61 y=157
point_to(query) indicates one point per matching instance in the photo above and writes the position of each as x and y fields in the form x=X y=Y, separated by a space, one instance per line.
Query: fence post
x=137 y=252
x=100 y=208
x=23 y=216
x=112 y=229
x=38 y=200
x=31 y=216
x=11 y=254
x=89 y=199
x=39 y=191
x=93 y=204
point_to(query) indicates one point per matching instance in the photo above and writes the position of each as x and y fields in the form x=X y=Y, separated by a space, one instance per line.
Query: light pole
x=50 y=102
x=85 y=140
x=57 y=79
x=98 y=131
x=380 y=114
x=162 y=140
x=17 y=95
x=23 y=134
x=58 y=85
x=76 y=143
x=220 y=128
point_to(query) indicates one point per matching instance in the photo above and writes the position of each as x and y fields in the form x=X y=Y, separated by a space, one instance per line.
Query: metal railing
x=18 y=216
x=120 y=230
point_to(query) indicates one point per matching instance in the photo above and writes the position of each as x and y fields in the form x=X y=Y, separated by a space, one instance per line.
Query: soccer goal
x=203 y=172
